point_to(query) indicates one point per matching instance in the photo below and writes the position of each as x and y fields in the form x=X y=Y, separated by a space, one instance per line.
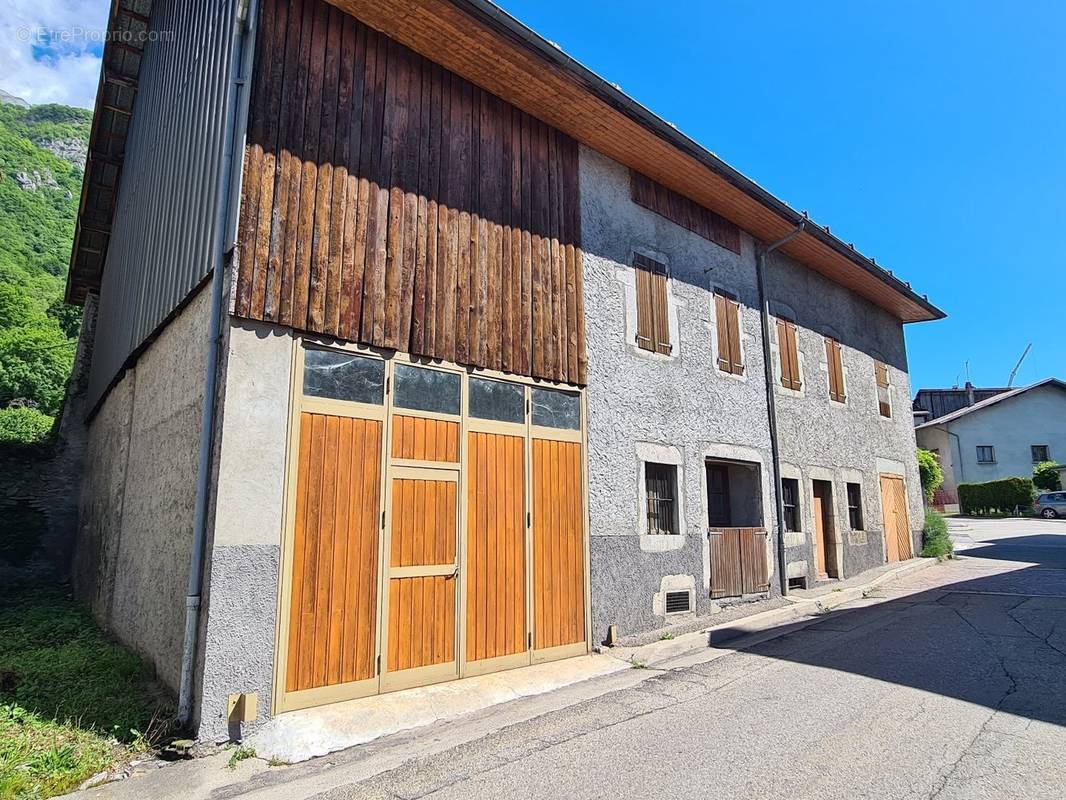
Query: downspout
x=771 y=406
x=228 y=194
x=958 y=447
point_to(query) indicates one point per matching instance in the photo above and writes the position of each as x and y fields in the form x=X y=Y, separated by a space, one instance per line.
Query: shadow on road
x=997 y=640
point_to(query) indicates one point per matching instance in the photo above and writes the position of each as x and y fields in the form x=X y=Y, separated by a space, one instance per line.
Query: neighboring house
x=930 y=404
x=1000 y=437
x=461 y=362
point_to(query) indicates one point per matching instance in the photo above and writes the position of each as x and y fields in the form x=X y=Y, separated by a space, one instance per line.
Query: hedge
x=996 y=496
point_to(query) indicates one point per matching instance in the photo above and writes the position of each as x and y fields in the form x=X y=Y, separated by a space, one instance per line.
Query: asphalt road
x=955 y=688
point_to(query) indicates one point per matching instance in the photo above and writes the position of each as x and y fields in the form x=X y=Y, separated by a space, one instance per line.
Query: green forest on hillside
x=41 y=161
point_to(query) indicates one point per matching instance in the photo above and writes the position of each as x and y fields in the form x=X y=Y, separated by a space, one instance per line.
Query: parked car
x=1051 y=505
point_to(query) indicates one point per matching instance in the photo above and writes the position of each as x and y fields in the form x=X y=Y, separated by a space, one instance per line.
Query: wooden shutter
x=884 y=405
x=727 y=315
x=836 y=369
x=790 y=369
x=653 y=328
x=881 y=373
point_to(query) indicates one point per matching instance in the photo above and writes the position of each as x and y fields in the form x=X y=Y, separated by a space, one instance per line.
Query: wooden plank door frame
x=282 y=699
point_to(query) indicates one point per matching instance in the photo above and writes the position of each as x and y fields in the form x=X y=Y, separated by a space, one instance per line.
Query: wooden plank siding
x=558 y=548
x=389 y=202
x=332 y=620
x=684 y=212
x=496 y=546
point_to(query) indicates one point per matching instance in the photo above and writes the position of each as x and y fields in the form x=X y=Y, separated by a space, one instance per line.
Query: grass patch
x=242 y=753
x=72 y=702
x=936 y=542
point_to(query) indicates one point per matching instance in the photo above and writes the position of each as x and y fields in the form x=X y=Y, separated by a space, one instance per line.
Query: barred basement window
x=660 y=481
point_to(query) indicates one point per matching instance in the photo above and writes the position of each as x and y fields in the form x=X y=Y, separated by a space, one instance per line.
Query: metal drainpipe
x=771 y=406
x=958 y=447
x=229 y=190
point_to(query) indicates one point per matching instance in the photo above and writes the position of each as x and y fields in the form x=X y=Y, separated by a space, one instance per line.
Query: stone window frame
x=779 y=310
x=829 y=332
x=627 y=276
x=659 y=453
x=715 y=291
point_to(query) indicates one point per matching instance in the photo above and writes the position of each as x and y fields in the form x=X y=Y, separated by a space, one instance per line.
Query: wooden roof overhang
x=127 y=24
x=488 y=47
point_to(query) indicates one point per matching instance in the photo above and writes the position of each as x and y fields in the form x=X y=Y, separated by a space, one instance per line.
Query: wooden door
x=824 y=548
x=421 y=577
x=496 y=632
x=895 y=517
x=333 y=600
x=558 y=546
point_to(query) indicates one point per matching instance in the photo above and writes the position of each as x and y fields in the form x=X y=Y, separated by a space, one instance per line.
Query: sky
x=929 y=133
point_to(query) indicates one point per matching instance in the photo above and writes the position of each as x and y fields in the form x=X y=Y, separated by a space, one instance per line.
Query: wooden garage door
x=496 y=547
x=558 y=546
x=332 y=614
x=896 y=518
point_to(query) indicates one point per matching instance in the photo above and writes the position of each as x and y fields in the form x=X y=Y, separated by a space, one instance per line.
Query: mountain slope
x=42 y=151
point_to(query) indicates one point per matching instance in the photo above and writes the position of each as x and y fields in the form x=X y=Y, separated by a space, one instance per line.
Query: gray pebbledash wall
x=131 y=557
x=680 y=409
x=676 y=409
x=239 y=617
x=847 y=442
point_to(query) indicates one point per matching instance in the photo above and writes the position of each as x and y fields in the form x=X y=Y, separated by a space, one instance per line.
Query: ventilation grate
x=678 y=602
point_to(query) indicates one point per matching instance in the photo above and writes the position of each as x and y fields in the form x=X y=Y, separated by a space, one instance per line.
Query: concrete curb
x=693 y=647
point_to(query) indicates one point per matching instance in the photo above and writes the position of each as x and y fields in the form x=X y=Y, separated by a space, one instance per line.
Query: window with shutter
x=884 y=400
x=653 y=328
x=836 y=369
x=727 y=316
x=790 y=366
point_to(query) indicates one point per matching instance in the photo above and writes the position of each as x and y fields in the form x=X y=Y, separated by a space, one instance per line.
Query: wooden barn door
x=330 y=598
x=496 y=631
x=421 y=612
x=895 y=517
x=559 y=624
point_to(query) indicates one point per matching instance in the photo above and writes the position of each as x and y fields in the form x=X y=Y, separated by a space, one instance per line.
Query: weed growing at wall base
x=72 y=702
x=936 y=542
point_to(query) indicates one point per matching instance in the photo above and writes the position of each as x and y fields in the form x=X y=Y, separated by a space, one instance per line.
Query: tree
x=23 y=425
x=34 y=366
x=930 y=473
x=1046 y=476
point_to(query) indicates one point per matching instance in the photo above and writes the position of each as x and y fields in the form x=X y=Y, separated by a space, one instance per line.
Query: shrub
x=1046 y=476
x=1004 y=496
x=930 y=473
x=23 y=425
x=936 y=543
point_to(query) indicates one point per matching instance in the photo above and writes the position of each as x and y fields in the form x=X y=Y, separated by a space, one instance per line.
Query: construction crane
x=1013 y=372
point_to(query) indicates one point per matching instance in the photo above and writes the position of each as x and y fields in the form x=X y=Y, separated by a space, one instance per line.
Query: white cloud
x=50 y=49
